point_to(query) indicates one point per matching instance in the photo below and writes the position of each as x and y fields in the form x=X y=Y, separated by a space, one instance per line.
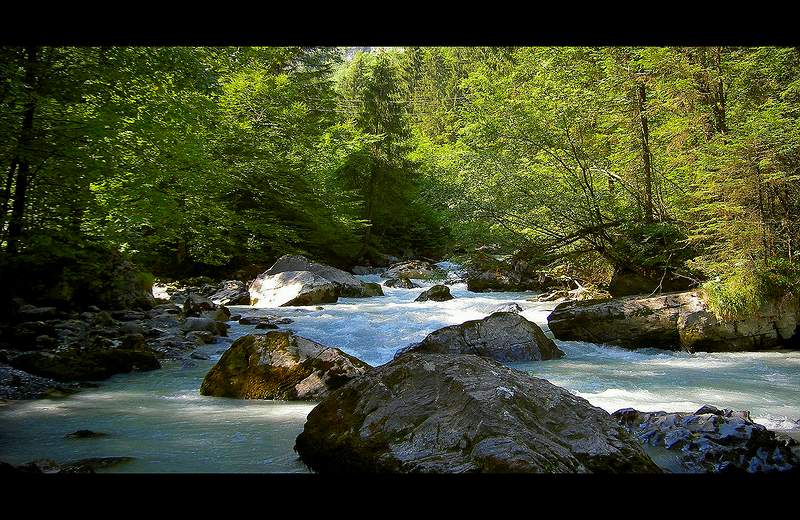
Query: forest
x=583 y=160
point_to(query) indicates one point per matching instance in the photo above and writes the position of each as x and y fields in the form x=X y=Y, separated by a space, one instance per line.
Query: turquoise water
x=160 y=419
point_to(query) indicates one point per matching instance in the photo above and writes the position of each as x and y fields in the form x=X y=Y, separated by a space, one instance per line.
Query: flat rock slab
x=280 y=365
x=503 y=336
x=438 y=413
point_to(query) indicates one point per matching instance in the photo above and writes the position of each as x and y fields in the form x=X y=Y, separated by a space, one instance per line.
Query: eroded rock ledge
x=679 y=320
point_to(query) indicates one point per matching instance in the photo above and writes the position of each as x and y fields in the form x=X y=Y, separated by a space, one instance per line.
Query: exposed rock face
x=713 y=440
x=419 y=269
x=437 y=293
x=674 y=320
x=438 y=413
x=280 y=365
x=403 y=283
x=294 y=280
x=292 y=288
x=627 y=283
x=504 y=336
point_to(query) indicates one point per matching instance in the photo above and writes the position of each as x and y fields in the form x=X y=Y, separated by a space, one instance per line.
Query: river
x=160 y=418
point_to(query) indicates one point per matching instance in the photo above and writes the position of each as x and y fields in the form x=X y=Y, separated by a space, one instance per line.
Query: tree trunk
x=23 y=151
x=644 y=139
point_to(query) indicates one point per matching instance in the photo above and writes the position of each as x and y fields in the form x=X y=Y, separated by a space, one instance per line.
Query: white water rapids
x=160 y=418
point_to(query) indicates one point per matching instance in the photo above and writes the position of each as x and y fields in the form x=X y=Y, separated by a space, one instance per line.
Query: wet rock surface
x=503 y=336
x=402 y=283
x=280 y=365
x=437 y=293
x=711 y=440
x=674 y=321
x=438 y=413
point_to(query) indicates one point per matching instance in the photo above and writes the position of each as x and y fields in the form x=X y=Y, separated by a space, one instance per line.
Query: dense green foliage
x=214 y=160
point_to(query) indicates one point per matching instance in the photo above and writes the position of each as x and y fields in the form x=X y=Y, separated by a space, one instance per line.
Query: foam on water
x=160 y=418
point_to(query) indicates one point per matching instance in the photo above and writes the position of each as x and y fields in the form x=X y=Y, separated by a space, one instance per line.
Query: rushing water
x=160 y=418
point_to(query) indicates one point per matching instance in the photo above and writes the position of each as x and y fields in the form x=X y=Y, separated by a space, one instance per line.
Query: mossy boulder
x=280 y=365
x=437 y=293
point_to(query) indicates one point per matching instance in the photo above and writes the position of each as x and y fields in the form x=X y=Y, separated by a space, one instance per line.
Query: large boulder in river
x=280 y=365
x=437 y=293
x=294 y=280
x=438 y=413
x=713 y=440
x=292 y=288
x=674 y=321
x=504 y=336
x=347 y=285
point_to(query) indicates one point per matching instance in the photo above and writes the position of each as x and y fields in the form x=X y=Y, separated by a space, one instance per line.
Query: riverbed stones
x=503 y=336
x=438 y=413
x=280 y=365
x=711 y=440
x=679 y=320
x=437 y=293
x=18 y=384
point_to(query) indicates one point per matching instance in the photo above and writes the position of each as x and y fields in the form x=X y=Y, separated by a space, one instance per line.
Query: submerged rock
x=85 y=434
x=674 y=320
x=504 y=336
x=713 y=440
x=437 y=293
x=436 y=413
x=280 y=365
